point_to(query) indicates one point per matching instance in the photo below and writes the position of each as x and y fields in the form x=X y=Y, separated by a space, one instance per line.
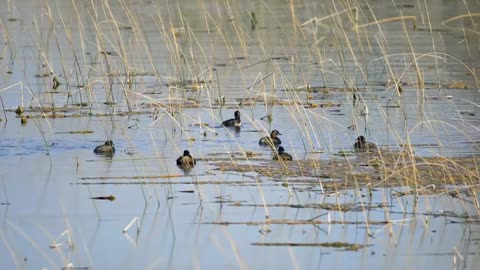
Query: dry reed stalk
x=462 y=29
x=394 y=19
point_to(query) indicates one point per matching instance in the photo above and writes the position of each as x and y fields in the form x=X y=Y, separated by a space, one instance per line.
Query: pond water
x=158 y=78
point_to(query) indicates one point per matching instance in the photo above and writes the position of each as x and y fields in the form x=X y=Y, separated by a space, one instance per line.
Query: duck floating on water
x=234 y=122
x=281 y=155
x=271 y=140
x=106 y=148
x=361 y=145
x=186 y=161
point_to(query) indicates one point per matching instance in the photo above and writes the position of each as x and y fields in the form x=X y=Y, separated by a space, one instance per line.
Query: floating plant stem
x=462 y=29
x=133 y=221
x=316 y=20
x=56 y=243
x=393 y=19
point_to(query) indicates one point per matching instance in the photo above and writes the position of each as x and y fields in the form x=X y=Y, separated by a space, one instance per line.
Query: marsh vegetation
x=161 y=78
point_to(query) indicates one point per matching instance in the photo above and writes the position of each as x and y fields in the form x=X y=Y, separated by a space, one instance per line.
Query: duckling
x=234 y=122
x=271 y=141
x=281 y=155
x=106 y=149
x=186 y=161
x=361 y=145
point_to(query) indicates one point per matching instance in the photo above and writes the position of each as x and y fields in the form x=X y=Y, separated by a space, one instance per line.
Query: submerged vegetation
x=158 y=78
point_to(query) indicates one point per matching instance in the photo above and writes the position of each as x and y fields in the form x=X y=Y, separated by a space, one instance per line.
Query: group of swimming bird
x=186 y=161
x=273 y=141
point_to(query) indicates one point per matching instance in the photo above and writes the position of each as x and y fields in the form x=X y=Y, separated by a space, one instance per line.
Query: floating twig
x=400 y=18
x=56 y=243
x=134 y=220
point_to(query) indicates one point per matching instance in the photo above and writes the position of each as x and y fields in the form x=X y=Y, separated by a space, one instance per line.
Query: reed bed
x=325 y=72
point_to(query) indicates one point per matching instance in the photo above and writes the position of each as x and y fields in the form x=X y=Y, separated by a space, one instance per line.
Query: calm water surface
x=48 y=174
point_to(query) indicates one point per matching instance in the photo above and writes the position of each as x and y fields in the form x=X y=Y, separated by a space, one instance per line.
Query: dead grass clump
x=389 y=170
x=345 y=246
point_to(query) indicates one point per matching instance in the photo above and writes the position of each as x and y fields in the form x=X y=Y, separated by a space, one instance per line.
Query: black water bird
x=362 y=145
x=234 y=122
x=106 y=148
x=186 y=161
x=281 y=155
x=271 y=140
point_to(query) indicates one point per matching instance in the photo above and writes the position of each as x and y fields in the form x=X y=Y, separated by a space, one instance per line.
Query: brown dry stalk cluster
x=377 y=170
